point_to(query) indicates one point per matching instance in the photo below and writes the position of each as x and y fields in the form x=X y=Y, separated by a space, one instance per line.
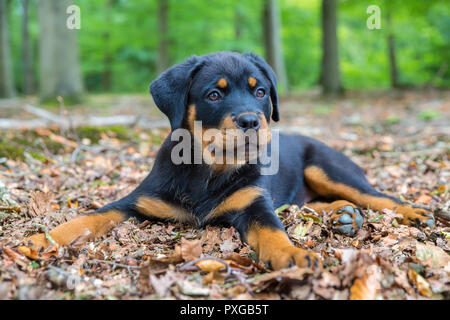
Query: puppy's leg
x=347 y=183
x=262 y=230
x=85 y=226
x=99 y=223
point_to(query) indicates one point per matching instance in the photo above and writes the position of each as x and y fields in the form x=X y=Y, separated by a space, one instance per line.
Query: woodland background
x=124 y=44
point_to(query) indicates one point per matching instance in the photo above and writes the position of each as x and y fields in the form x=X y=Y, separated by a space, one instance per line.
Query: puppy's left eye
x=260 y=93
x=213 y=96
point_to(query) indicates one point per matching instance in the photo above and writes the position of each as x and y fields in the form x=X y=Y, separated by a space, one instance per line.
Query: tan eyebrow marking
x=222 y=83
x=252 y=81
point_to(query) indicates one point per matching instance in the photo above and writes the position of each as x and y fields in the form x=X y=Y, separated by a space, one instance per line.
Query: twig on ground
x=115 y=264
x=47 y=233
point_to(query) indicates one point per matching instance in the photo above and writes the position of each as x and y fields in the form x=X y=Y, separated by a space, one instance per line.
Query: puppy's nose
x=248 y=121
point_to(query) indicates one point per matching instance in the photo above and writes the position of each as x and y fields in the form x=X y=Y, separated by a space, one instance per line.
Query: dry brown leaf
x=210 y=265
x=292 y=275
x=28 y=252
x=433 y=256
x=346 y=255
x=367 y=286
x=423 y=199
x=237 y=258
x=64 y=141
x=16 y=257
x=190 y=249
x=176 y=256
x=50 y=252
x=390 y=240
x=162 y=284
x=72 y=204
x=210 y=238
x=40 y=203
x=423 y=287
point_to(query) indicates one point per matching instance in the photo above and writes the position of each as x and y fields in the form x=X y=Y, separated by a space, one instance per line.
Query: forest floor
x=49 y=175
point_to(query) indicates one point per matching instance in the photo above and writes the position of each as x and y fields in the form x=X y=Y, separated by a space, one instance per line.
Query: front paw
x=290 y=256
x=416 y=217
x=38 y=241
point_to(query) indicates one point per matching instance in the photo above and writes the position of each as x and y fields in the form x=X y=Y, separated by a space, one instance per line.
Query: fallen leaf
x=367 y=286
x=50 y=252
x=190 y=249
x=162 y=284
x=16 y=257
x=424 y=199
x=28 y=252
x=301 y=230
x=421 y=284
x=228 y=246
x=432 y=256
x=40 y=203
x=346 y=255
x=72 y=204
x=237 y=258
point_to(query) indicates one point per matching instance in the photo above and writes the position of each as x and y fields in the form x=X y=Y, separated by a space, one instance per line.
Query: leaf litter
x=143 y=260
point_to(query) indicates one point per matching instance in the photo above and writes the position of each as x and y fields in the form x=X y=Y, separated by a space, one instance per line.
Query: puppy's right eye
x=214 y=96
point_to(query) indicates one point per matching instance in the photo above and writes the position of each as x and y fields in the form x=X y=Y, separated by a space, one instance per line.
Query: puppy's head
x=226 y=91
x=220 y=85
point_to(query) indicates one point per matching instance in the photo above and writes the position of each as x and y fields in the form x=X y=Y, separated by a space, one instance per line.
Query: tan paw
x=37 y=241
x=290 y=256
x=416 y=217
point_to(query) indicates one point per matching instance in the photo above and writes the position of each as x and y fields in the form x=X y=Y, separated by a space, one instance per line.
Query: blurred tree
x=393 y=70
x=58 y=53
x=107 y=54
x=6 y=75
x=163 y=33
x=27 y=53
x=238 y=23
x=330 y=77
x=273 y=42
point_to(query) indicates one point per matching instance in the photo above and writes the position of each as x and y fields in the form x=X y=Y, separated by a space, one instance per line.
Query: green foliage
x=94 y=133
x=119 y=40
x=428 y=115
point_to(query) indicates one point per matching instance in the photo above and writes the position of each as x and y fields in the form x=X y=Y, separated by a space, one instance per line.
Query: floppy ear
x=170 y=90
x=268 y=72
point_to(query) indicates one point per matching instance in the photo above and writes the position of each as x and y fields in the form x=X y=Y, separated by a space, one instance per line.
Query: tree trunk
x=27 y=55
x=58 y=53
x=238 y=22
x=6 y=73
x=393 y=70
x=163 y=31
x=330 y=77
x=107 y=57
x=272 y=41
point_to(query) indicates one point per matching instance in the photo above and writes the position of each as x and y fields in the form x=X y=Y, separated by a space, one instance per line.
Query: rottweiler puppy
x=229 y=91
